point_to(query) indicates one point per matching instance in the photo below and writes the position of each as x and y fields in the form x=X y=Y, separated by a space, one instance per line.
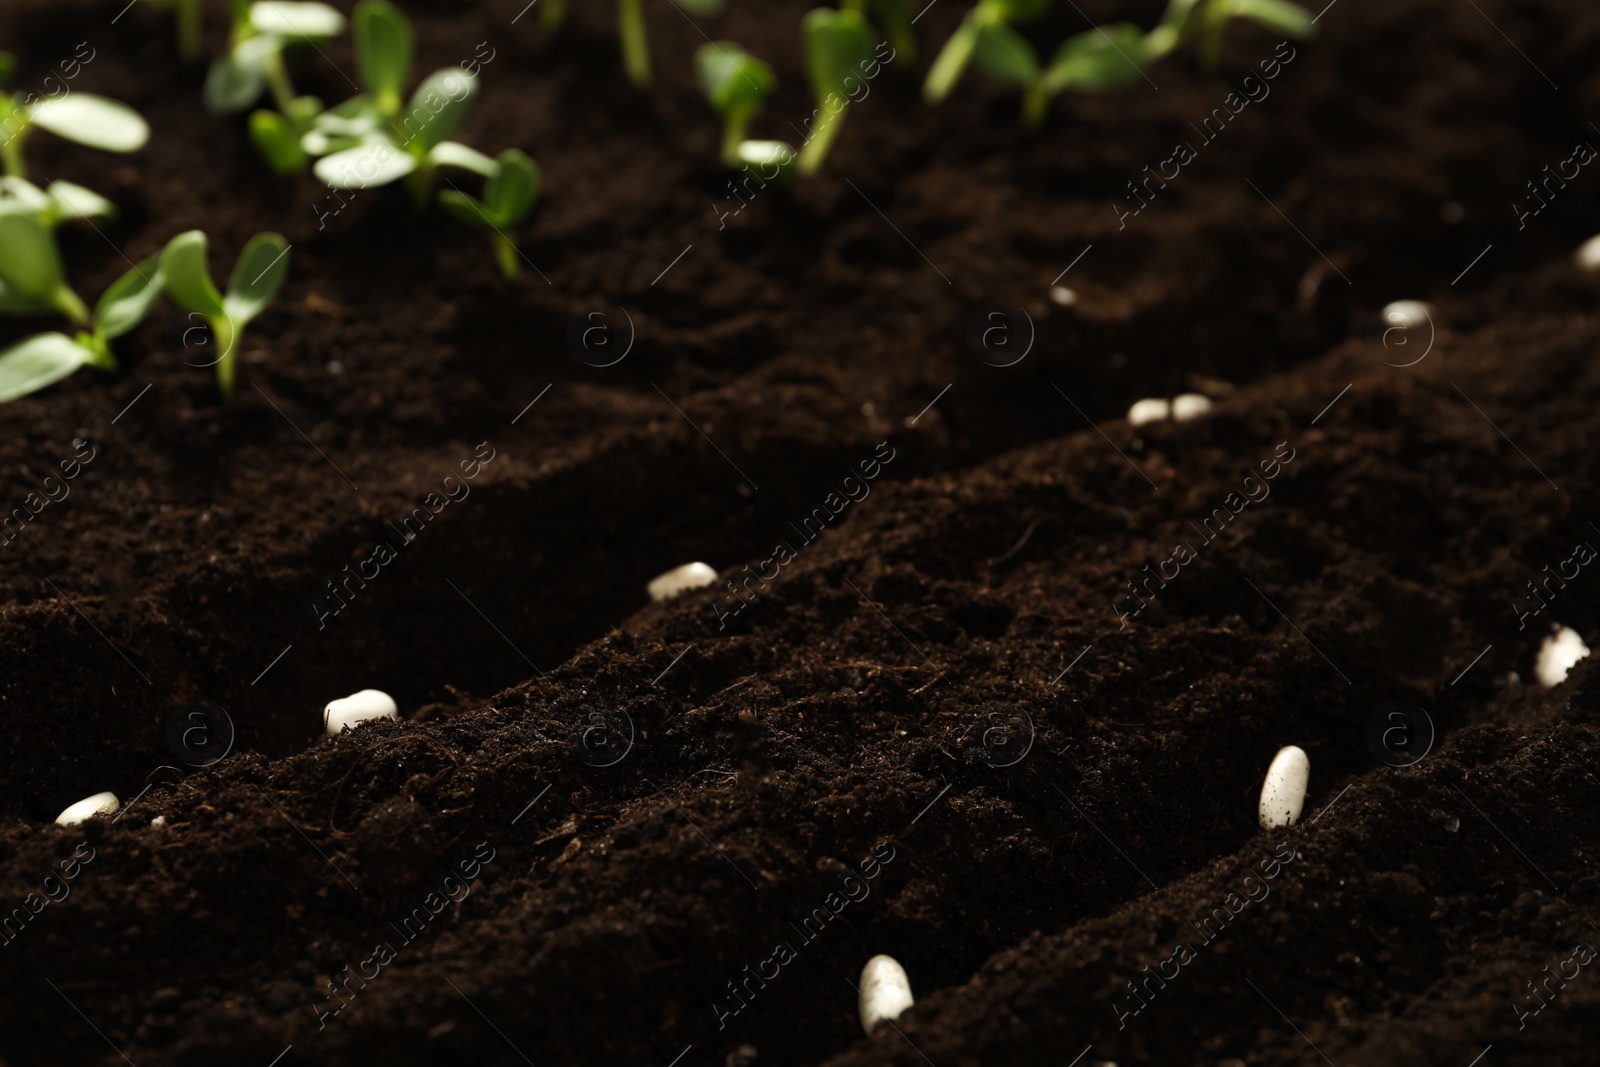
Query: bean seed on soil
x=885 y=991
x=1283 y=794
x=88 y=808
x=1151 y=409
x=1561 y=650
x=1407 y=314
x=1588 y=254
x=358 y=708
x=1188 y=406
x=681 y=580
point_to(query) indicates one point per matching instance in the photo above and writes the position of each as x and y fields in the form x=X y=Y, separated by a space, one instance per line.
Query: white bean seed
x=1188 y=406
x=1151 y=409
x=1283 y=794
x=1407 y=314
x=358 y=708
x=88 y=808
x=681 y=580
x=885 y=991
x=1560 y=651
x=1588 y=254
x=1060 y=294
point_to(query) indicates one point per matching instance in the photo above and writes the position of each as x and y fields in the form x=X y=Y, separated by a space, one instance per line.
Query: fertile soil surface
x=946 y=728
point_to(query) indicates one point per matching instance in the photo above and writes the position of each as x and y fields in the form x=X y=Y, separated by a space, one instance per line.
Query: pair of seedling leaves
x=35 y=284
x=838 y=55
x=1101 y=59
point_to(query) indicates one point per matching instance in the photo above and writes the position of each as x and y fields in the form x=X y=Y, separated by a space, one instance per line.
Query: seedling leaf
x=896 y=20
x=465 y=207
x=290 y=19
x=1097 y=60
x=188 y=279
x=235 y=80
x=733 y=79
x=838 y=46
x=1279 y=15
x=129 y=299
x=1018 y=10
x=303 y=111
x=25 y=194
x=1005 y=55
x=383 y=52
x=322 y=143
x=257 y=276
x=39 y=361
x=29 y=263
x=357 y=115
x=15 y=303
x=96 y=121
x=274 y=138
x=369 y=164
x=454 y=154
x=512 y=188
x=69 y=201
x=439 y=106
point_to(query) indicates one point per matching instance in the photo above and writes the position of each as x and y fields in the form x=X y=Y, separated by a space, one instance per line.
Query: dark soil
x=864 y=712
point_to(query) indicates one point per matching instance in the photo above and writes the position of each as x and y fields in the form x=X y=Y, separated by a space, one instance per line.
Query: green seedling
x=508 y=196
x=96 y=121
x=636 y=42
x=1098 y=60
x=1207 y=19
x=893 y=17
x=960 y=49
x=838 y=51
x=254 y=64
x=257 y=276
x=32 y=283
x=370 y=140
x=737 y=84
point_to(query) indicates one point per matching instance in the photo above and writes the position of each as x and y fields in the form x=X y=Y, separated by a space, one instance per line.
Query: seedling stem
x=1035 y=105
x=816 y=149
x=72 y=306
x=223 y=334
x=11 y=150
x=506 y=255
x=635 y=46
x=734 y=127
x=420 y=181
x=1216 y=20
x=278 y=82
x=189 y=48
